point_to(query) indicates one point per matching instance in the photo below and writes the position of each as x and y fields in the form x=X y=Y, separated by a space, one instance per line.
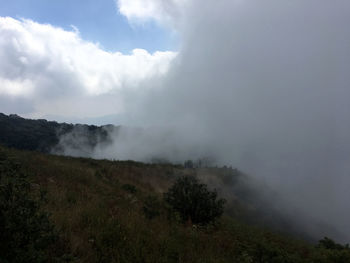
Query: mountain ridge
x=44 y=136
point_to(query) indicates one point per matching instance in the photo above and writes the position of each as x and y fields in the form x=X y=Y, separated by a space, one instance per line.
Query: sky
x=75 y=61
x=261 y=85
x=97 y=21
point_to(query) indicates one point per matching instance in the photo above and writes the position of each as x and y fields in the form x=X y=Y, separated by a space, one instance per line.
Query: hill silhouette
x=44 y=136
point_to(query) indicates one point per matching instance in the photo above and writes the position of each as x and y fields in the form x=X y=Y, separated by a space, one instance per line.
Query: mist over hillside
x=258 y=85
x=264 y=86
x=268 y=206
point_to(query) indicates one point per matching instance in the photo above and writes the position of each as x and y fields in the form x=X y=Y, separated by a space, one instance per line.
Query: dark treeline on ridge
x=44 y=136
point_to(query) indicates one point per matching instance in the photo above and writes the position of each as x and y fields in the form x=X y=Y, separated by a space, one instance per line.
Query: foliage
x=44 y=136
x=151 y=207
x=101 y=222
x=328 y=243
x=193 y=201
x=129 y=188
x=26 y=232
x=332 y=251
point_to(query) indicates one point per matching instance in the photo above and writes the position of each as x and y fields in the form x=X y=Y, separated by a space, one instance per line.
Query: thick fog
x=262 y=86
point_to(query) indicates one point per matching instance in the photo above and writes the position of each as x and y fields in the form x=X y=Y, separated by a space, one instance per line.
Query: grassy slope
x=103 y=220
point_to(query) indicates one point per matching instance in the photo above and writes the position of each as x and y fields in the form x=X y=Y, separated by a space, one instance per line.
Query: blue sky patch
x=97 y=21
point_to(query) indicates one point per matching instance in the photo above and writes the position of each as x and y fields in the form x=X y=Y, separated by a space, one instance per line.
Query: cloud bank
x=57 y=72
x=264 y=85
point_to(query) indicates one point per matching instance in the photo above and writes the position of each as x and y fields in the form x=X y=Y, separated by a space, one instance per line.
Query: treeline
x=42 y=135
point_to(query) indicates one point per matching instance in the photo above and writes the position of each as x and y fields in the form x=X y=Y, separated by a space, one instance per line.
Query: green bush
x=193 y=201
x=26 y=233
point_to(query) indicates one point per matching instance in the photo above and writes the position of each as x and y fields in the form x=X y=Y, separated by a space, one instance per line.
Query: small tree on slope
x=193 y=201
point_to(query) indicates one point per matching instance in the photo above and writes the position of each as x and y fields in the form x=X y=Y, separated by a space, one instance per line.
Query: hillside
x=44 y=136
x=98 y=209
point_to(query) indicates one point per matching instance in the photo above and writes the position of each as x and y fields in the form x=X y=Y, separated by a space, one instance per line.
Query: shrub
x=328 y=243
x=193 y=201
x=26 y=233
x=151 y=207
x=330 y=251
x=129 y=188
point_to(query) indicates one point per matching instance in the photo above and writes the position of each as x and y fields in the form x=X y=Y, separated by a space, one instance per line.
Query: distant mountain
x=44 y=136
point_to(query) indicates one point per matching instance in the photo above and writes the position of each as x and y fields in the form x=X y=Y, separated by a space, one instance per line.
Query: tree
x=328 y=243
x=193 y=201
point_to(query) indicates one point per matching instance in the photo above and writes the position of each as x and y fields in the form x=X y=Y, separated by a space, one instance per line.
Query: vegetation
x=151 y=207
x=193 y=201
x=44 y=136
x=328 y=243
x=99 y=219
x=27 y=235
x=129 y=188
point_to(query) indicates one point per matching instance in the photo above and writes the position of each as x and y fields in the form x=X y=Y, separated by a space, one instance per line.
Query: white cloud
x=44 y=63
x=164 y=12
x=15 y=87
